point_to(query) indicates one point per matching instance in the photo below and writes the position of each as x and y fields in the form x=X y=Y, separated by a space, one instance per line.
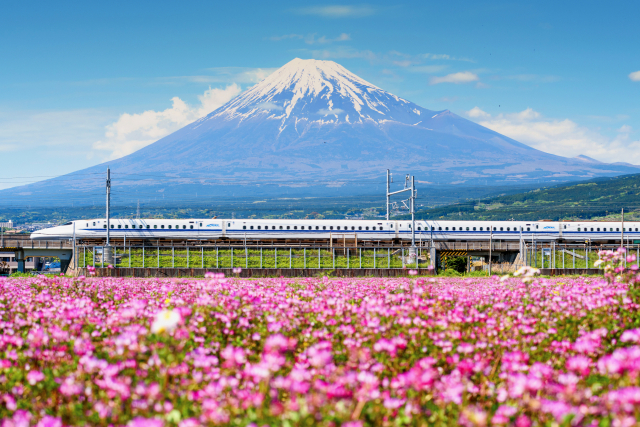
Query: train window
x=191 y=227
x=528 y=228
x=508 y=229
x=501 y=228
x=474 y=229
x=453 y=229
x=331 y=227
x=373 y=228
x=184 y=227
x=288 y=227
x=94 y=223
x=324 y=227
x=148 y=226
x=592 y=229
x=565 y=227
x=104 y=226
x=119 y=226
x=295 y=227
x=617 y=229
x=536 y=226
x=419 y=228
x=353 y=228
x=280 y=227
x=446 y=228
x=87 y=224
x=155 y=226
x=578 y=228
x=360 y=228
x=636 y=229
x=468 y=228
x=162 y=226
x=302 y=227
x=366 y=228
x=169 y=226
x=259 y=227
x=480 y=228
x=111 y=225
x=126 y=226
x=439 y=228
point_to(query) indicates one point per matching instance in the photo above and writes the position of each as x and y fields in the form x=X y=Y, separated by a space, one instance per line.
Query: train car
x=312 y=229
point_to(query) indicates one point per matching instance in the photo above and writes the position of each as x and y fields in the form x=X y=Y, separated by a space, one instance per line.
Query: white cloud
x=477 y=113
x=635 y=76
x=563 y=137
x=444 y=56
x=134 y=131
x=337 y=11
x=311 y=39
x=457 y=78
x=327 y=112
x=343 y=52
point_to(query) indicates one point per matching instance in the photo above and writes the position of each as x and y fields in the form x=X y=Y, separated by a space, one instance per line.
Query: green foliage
x=594 y=199
x=458 y=264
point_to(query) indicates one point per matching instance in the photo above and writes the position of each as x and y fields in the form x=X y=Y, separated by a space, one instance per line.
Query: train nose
x=38 y=235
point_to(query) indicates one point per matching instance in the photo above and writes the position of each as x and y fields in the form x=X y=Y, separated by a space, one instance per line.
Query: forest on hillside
x=594 y=199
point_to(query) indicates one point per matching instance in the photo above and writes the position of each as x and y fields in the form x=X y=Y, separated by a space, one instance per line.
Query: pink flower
x=631 y=335
x=233 y=356
x=319 y=354
x=34 y=377
x=21 y=418
x=69 y=387
x=580 y=364
x=49 y=421
x=145 y=422
x=503 y=415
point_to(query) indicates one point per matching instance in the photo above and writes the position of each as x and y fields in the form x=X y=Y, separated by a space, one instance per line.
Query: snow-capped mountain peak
x=318 y=91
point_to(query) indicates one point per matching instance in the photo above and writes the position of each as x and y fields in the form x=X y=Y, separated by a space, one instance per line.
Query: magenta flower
x=34 y=377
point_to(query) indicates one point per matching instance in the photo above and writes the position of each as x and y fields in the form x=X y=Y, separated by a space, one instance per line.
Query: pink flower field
x=318 y=351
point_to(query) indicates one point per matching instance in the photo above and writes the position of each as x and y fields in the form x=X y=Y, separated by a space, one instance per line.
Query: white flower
x=598 y=263
x=504 y=278
x=166 y=320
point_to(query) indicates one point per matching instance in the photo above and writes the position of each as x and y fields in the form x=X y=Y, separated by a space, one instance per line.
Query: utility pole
x=75 y=258
x=490 y=246
x=106 y=252
x=389 y=181
x=622 y=231
x=138 y=213
x=414 y=192
x=413 y=217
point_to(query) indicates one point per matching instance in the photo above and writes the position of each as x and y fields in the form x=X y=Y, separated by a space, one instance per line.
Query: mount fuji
x=314 y=124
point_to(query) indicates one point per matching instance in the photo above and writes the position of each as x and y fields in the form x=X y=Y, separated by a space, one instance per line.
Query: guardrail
x=36 y=244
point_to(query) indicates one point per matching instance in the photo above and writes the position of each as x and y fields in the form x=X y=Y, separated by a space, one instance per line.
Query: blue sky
x=84 y=82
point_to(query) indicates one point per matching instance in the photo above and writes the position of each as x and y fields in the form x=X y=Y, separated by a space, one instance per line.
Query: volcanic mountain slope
x=314 y=121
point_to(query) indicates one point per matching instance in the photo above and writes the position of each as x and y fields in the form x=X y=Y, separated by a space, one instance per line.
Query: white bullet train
x=307 y=229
